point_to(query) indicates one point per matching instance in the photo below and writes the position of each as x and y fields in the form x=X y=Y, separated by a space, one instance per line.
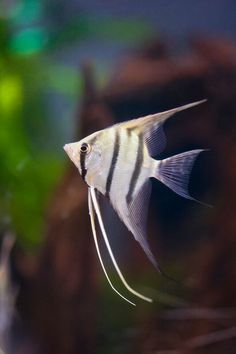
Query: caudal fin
x=175 y=171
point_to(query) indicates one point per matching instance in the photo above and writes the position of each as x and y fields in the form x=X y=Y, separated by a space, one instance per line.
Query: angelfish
x=118 y=162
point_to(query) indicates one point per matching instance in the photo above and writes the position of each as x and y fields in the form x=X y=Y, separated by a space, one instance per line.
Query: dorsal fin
x=151 y=127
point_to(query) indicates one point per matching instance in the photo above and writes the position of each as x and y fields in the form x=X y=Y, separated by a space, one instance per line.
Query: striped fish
x=118 y=162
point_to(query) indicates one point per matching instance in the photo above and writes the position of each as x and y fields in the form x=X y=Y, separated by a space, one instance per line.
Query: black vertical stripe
x=82 y=165
x=116 y=149
x=93 y=140
x=136 y=171
x=129 y=131
x=83 y=157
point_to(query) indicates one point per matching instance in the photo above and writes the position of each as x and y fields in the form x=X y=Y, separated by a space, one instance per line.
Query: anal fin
x=137 y=220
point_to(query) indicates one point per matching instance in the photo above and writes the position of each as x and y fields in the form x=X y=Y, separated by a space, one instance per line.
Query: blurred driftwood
x=8 y=293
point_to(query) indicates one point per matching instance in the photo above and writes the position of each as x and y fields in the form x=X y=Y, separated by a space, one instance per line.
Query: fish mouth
x=67 y=149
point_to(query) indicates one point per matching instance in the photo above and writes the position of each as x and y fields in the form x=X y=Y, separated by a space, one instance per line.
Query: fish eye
x=85 y=148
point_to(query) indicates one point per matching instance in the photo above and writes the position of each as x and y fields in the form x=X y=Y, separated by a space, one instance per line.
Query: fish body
x=114 y=151
x=119 y=161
